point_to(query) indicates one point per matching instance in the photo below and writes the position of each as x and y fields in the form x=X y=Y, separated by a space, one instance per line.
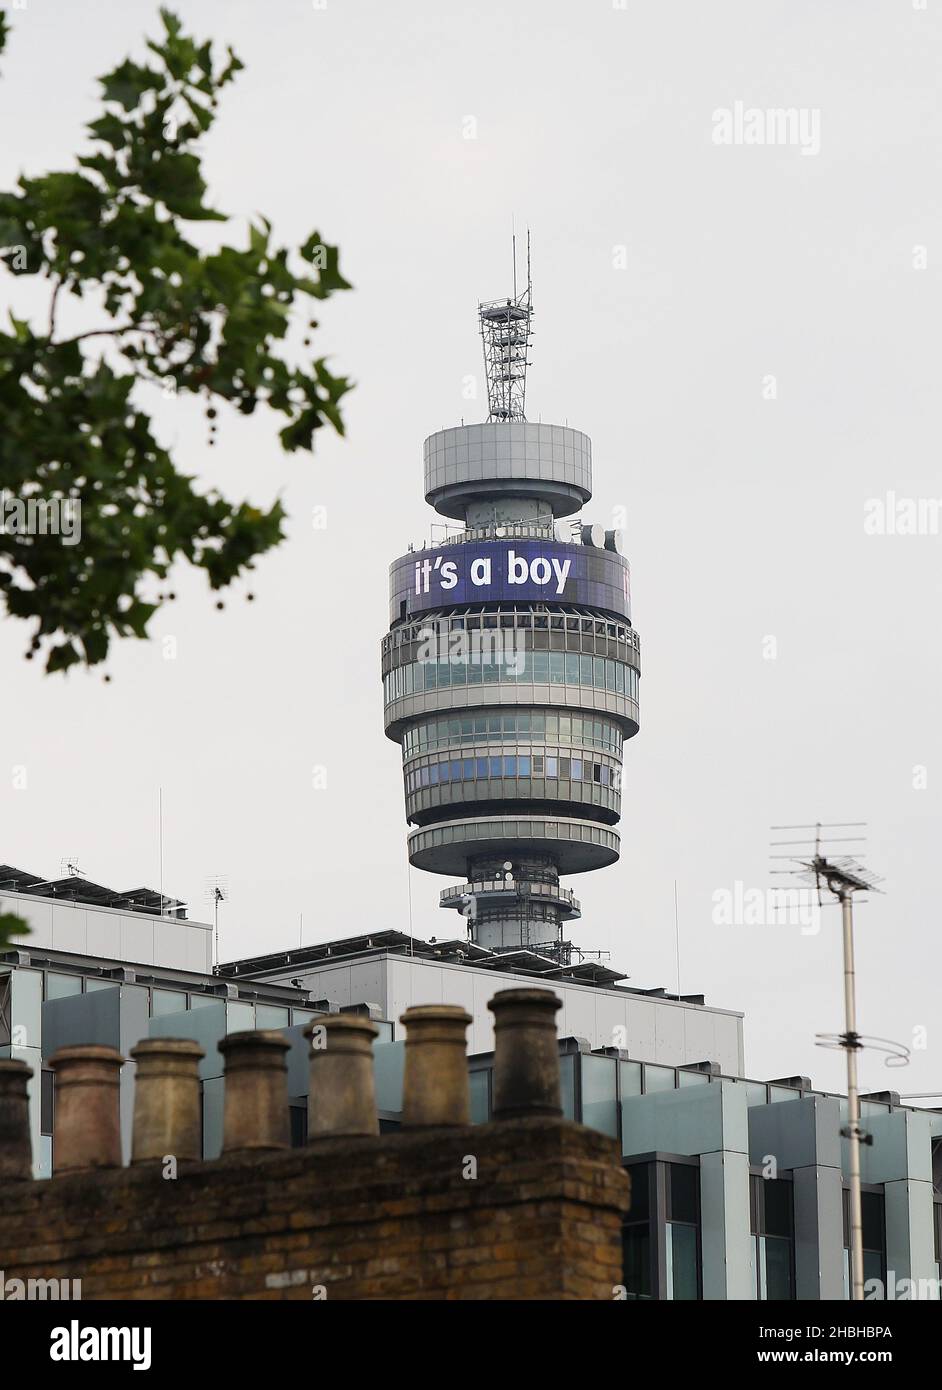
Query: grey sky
x=745 y=515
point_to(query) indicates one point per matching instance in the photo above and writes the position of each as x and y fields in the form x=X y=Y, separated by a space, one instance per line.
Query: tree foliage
x=112 y=232
x=11 y=925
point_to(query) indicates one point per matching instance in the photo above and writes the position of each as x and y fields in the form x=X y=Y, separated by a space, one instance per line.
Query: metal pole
x=853 y=1101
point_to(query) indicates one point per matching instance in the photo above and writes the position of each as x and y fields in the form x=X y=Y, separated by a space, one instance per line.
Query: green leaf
x=10 y=924
x=128 y=83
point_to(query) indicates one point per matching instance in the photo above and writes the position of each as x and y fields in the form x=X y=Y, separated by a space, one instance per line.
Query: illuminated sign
x=504 y=571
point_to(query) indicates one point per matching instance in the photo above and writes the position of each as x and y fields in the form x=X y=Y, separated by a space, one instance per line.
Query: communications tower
x=511 y=667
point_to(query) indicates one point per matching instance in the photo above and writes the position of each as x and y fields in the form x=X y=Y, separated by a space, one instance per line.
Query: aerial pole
x=845 y=894
x=842 y=877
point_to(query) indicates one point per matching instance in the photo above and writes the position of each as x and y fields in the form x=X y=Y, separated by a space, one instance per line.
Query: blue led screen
x=503 y=571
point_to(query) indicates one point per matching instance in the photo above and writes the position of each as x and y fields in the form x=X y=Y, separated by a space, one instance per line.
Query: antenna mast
x=505 y=333
x=842 y=876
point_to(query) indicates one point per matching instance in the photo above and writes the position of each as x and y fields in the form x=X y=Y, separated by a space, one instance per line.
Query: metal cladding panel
x=577 y=1018
x=205 y=1025
x=691 y=1120
x=641 y=1026
x=37 y=914
x=503 y=571
x=82 y=1018
x=611 y=1022
x=901 y=1148
x=199 y=951
x=103 y=935
x=800 y=1133
x=486 y=986
x=670 y=1036
x=367 y=984
x=170 y=943
x=69 y=929
x=137 y=940
x=726 y=1241
x=518 y=449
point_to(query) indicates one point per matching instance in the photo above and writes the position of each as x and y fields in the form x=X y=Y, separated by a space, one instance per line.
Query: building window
x=637 y=1249
x=46 y=1100
x=62 y=986
x=683 y=1231
x=271 y=1016
x=167 y=1001
x=773 y=1237
x=874 y=1238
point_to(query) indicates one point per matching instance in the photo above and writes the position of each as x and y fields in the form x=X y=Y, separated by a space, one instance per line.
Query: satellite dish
x=593 y=535
x=615 y=541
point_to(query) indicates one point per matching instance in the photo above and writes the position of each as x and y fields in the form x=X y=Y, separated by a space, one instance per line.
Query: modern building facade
x=740 y=1186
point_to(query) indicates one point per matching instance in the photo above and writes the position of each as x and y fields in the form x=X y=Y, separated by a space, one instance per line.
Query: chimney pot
x=167 y=1119
x=342 y=1091
x=88 y=1121
x=436 y=1088
x=526 y=1053
x=15 y=1147
x=255 y=1106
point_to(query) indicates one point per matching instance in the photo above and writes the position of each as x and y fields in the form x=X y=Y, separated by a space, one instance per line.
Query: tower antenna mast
x=505 y=334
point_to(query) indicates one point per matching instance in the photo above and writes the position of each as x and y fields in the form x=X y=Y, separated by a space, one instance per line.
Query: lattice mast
x=505 y=333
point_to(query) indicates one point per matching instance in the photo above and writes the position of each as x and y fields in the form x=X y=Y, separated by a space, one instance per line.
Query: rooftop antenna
x=69 y=868
x=160 y=846
x=217 y=890
x=841 y=877
x=505 y=334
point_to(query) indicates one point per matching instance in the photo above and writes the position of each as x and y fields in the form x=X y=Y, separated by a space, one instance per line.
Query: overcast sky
x=673 y=277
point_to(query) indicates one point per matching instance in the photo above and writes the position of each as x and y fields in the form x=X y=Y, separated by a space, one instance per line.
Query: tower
x=511 y=668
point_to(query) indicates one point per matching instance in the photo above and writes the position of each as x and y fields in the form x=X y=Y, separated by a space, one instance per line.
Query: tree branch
x=143 y=327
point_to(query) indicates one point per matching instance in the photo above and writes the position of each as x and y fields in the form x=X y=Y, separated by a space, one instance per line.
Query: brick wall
x=389 y=1218
x=529 y=1206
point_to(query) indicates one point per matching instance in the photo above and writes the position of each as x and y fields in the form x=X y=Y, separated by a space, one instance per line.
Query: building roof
x=567 y=963
x=75 y=889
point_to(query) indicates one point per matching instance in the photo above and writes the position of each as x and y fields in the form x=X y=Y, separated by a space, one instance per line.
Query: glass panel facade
x=637 y=1274
x=26 y=1001
x=239 y=1017
x=659 y=1078
x=539 y=668
x=388 y=1065
x=629 y=1079
x=772 y=1224
x=271 y=1016
x=62 y=986
x=480 y=1097
x=599 y=1103
x=567 y=1077
x=682 y=1271
x=479 y=769
x=167 y=1001
x=873 y=1220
